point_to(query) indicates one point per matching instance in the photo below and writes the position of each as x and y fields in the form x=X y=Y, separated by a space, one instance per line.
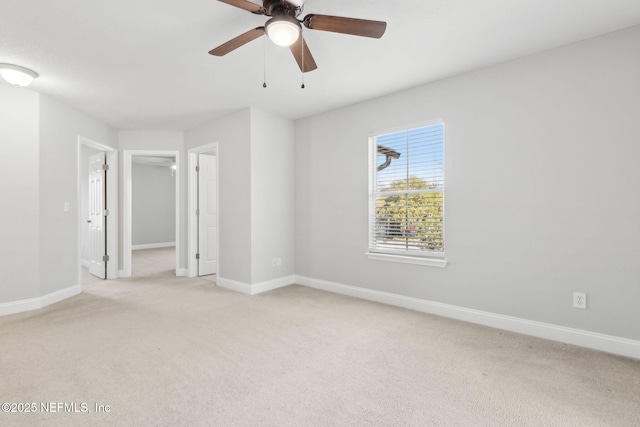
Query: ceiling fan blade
x=246 y=5
x=303 y=55
x=241 y=40
x=338 y=24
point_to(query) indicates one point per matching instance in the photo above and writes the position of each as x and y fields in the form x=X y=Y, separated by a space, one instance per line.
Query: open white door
x=208 y=215
x=97 y=196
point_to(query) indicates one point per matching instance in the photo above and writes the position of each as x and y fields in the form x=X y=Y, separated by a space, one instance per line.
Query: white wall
x=233 y=134
x=60 y=126
x=153 y=207
x=150 y=140
x=19 y=182
x=272 y=196
x=543 y=177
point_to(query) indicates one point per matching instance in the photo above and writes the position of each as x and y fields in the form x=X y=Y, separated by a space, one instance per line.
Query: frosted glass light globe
x=283 y=32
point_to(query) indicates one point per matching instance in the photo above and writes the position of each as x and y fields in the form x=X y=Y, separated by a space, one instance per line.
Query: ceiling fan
x=285 y=29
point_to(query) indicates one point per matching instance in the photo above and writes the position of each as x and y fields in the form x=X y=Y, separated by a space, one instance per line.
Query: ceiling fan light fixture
x=16 y=75
x=283 y=30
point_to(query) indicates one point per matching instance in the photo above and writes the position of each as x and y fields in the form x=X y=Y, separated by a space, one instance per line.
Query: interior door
x=208 y=215
x=96 y=221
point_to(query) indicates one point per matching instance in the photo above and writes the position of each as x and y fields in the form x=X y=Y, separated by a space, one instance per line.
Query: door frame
x=127 y=206
x=112 y=205
x=192 y=203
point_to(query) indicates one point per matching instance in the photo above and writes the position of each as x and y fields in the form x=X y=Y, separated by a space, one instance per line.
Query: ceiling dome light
x=17 y=76
x=283 y=30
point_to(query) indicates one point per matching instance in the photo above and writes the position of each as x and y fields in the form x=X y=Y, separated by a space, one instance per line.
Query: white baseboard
x=153 y=246
x=608 y=343
x=255 y=288
x=40 y=302
x=269 y=285
x=233 y=285
x=86 y=263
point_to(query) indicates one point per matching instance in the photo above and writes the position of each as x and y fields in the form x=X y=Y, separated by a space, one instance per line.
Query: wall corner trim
x=39 y=302
x=255 y=288
x=607 y=343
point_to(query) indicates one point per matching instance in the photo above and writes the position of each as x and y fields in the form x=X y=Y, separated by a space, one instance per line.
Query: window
x=406 y=200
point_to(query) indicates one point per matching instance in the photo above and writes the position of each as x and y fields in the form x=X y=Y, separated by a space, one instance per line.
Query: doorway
x=151 y=206
x=97 y=206
x=203 y=211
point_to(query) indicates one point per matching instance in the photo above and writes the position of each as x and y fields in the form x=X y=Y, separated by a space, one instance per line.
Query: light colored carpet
x=169 y=351
x=145 y=262
x=148 y=262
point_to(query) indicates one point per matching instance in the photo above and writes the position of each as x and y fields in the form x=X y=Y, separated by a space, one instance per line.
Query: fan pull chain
x=264 y=63
x=302 y=56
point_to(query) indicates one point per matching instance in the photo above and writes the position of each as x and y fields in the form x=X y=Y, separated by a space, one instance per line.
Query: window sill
x=430 y=262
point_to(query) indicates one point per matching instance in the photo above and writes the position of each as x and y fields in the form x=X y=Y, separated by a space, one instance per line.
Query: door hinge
x=105 y=167
x=197 y=168
x=106 y=212
x=197 y=212
x=197 y=256
x=105 y=258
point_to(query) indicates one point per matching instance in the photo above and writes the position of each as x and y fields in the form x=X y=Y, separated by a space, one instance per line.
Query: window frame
x=429 y=258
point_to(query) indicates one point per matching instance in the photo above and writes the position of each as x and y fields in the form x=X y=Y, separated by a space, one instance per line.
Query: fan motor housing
x=280 y=7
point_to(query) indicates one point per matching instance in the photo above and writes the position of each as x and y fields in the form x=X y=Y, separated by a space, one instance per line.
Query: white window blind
x=406 y=204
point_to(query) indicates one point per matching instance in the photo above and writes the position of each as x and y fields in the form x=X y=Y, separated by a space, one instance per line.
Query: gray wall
x=60 y=127
x=19 y=182
x=272 y=196
x=153 y=205
x=233 y=134
x=256 y=193
x=39 y=252
x=542 y=184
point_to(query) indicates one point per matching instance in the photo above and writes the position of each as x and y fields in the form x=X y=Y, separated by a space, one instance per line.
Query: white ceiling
x=143 y=64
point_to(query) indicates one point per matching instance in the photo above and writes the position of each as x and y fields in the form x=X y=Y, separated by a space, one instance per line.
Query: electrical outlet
x=580 y=300
x=279 y=262
x=274 y=262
